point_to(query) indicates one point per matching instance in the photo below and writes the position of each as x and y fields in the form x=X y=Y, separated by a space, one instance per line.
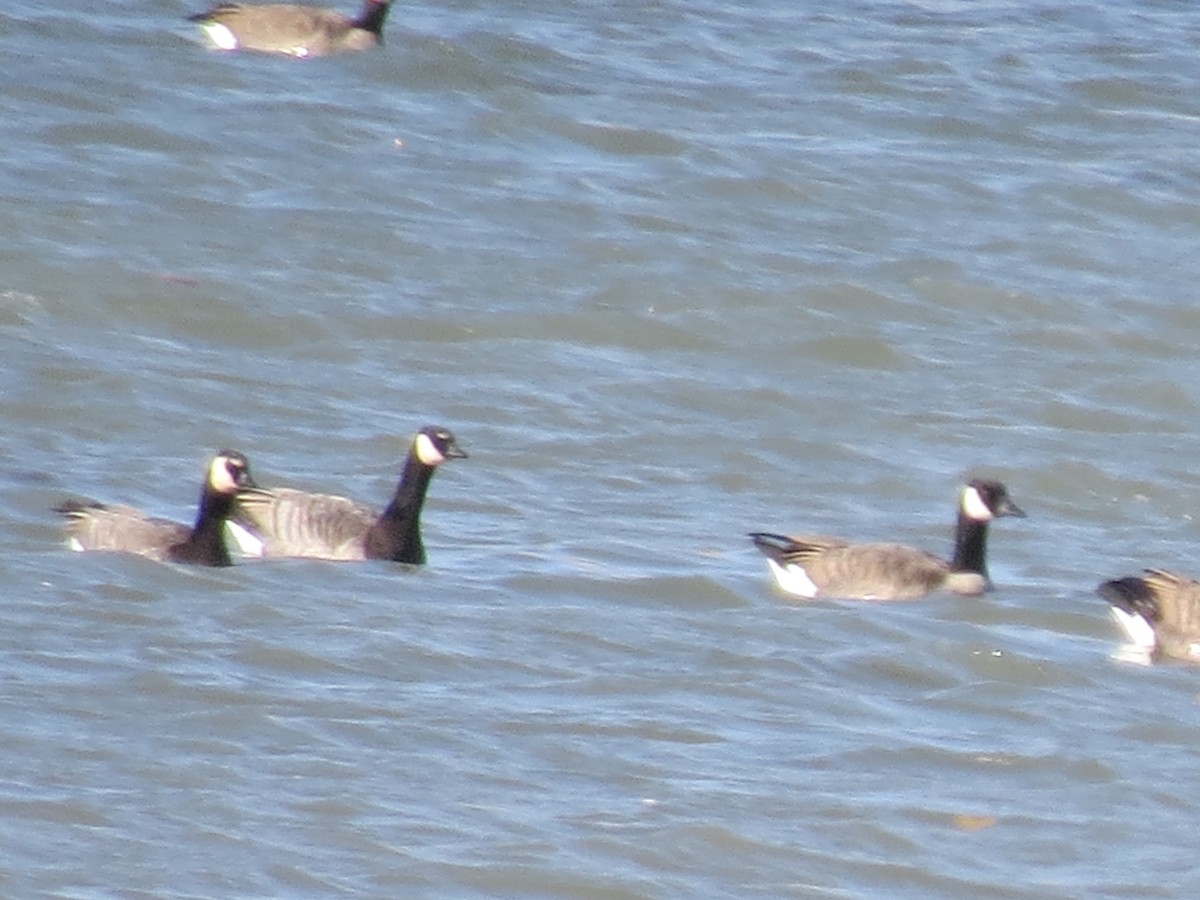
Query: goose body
x=292 y=29
x=97 y=526
x=1159 y=611
x=811 y=566
x=288 y=523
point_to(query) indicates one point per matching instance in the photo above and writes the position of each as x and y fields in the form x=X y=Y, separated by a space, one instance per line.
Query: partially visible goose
x=95 y=526
x=292 y=29
x=289 y=523
x=1159 y=611
x=812 y=566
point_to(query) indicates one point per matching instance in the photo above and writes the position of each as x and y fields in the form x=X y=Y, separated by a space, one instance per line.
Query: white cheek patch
x=222 y=37
x=427 y=451
x=973 y=506
x=793 y=579
x=219 y=478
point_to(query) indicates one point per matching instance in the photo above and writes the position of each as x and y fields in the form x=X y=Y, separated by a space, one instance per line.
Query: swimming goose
x=289 y=523
x=292 y=29
x=95 y=526
x=811 y=566
x=1159 y=612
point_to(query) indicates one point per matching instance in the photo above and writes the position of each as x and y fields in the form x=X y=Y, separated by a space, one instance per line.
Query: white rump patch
x=427 y=451
x=248 y=543
x=793 y=579
x=221 y=36
x=73 y=544
x=1136 y=628
x=974 y=507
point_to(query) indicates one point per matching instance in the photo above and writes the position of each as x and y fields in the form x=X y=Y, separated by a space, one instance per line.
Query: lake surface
x=672 y=272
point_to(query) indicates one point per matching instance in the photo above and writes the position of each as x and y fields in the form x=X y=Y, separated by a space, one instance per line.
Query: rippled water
x=672 y=272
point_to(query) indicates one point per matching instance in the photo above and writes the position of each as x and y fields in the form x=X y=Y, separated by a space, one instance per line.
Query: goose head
x=982 y=500
x=433 y=445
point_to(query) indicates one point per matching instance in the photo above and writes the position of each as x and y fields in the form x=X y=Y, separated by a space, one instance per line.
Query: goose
x=292 y=29
x=1159 y=611
x=811 y=566
x=96 y=526
x=288 y=523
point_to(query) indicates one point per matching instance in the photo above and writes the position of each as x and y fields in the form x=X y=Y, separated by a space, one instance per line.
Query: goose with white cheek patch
x=96 y=526
x=288 y=523
x=1159 y=611
x=292 y=29
x=810 y=566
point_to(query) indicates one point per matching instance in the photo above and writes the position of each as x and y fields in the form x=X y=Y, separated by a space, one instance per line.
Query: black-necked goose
x=95 y=526
x=290 y=523
x=814 y=566
x=1159 y=611
x=292 y=29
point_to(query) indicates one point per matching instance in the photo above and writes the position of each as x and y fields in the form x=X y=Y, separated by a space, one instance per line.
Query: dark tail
x=211 y=12
x=75 y=506
x=772 y=545
x=1132 y=595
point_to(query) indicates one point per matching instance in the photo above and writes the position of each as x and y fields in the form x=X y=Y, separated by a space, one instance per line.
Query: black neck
x=206 y=544
x=970 y=546
x=397 y=534
x=372 y=16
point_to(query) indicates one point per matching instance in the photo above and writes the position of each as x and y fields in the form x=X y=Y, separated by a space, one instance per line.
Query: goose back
x=283 y=522
x=123 y=529
x=812 y=565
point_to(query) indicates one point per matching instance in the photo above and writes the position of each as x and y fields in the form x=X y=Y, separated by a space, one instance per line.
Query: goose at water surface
x=1159 y=611
x=96 y=526
x=811 y=566
x=292 y=29
x=282 y=522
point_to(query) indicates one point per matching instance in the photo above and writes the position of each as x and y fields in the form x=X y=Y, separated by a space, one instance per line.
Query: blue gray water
x=672 y=271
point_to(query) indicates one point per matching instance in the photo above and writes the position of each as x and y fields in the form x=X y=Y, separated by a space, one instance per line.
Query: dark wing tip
x=75 y=506
x=1131 y=594
x=773 y=545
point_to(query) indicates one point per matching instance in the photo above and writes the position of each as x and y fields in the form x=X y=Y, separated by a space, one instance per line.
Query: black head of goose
x=96 y=526
x=288 y=523
x=811 y=566
x=1159 y=612
x=292 y=29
